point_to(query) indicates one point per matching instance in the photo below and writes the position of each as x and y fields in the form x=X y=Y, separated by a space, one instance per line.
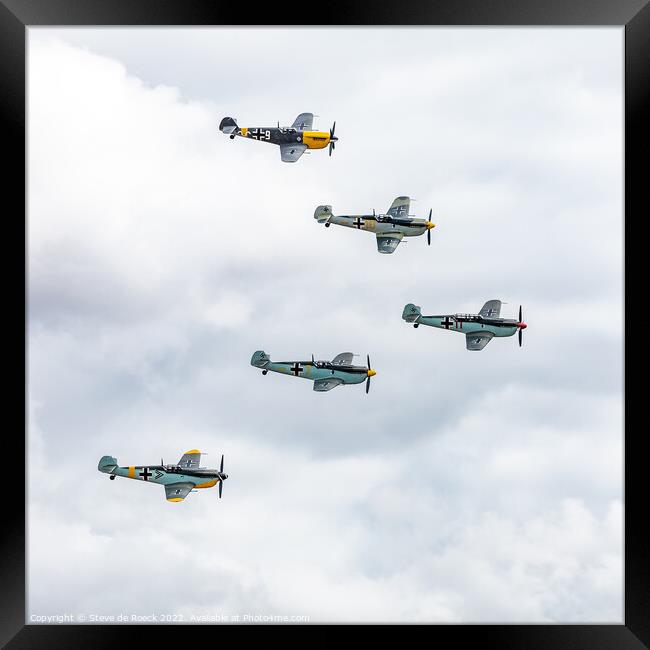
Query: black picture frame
x=17 y=15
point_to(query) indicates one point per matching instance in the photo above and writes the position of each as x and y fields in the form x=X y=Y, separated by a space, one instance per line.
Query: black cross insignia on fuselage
x=145 y=474
x=296 y=369
x=447 y=322
x=359 y=223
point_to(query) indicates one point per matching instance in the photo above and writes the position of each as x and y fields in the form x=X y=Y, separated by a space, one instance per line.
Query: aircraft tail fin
x=228 y=125
x=411 y=313
x=323 y=213
x=260 y=359
x=107 y=464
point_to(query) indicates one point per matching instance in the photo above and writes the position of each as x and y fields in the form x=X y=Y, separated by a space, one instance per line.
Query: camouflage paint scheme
x=479 y=329
x=325 y=374
x=179 y=480
x=293 y=140
x=390 y=228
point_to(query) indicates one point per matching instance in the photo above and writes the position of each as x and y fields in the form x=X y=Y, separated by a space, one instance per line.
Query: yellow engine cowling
x=316 y=139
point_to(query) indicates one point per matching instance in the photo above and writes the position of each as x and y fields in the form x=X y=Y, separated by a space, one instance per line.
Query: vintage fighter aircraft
x=325 y=374
x=294 y=140
x=479 y=329
x=179 y=480
x=389 y=227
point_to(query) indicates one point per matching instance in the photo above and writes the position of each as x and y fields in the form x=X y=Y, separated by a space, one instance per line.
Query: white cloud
x=464 y=487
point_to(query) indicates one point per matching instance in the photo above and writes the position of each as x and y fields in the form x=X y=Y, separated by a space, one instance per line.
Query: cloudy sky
x=466 y=487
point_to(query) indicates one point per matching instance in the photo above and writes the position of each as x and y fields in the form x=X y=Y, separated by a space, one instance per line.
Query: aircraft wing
x=177 y=491
x=322 y=385
x=491 y=309
x=478 y=340
x=400 y=207
x=304 y=122
x=190 y=459
x=388 y=243
x=343 y=359
x=291 y=152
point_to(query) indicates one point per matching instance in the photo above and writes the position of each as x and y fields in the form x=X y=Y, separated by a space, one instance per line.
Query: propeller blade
x=368 y=362
x=520 y=336
x=367 y=385
x=220 y=488
x=221 y=467
x=429 y=237
x=520 y=314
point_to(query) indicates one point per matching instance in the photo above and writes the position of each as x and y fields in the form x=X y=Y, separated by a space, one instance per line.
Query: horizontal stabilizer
x=228 y=125
x=260 y=359
x=323 y=213
x=411 y=313
x=107 y=464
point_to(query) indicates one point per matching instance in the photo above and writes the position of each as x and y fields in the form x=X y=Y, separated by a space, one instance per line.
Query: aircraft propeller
x=369 y=375
x=429 y=228
x=521 y=326
x=222 y=477
x=333 y=138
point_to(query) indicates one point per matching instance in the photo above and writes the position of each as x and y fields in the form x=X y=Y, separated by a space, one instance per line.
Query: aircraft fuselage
x=288 y=135
x=307 y=370
x=381 y=225
x=166 y=475
x=470 y=324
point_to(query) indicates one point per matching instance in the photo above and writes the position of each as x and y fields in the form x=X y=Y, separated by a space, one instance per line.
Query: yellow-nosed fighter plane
x=179 y=480
x=293 y=140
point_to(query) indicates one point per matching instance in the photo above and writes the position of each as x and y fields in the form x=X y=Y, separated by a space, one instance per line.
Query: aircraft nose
x=430 y=225
x=522 y=326
x=371 y=372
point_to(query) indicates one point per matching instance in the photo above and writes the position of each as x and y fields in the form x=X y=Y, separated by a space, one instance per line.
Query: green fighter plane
x=479 y=329
x=178 y=480
x=390 y=228
x=293 y=140
x=325 y=374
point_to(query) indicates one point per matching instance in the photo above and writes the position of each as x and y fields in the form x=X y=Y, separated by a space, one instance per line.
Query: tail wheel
x=264 y=372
